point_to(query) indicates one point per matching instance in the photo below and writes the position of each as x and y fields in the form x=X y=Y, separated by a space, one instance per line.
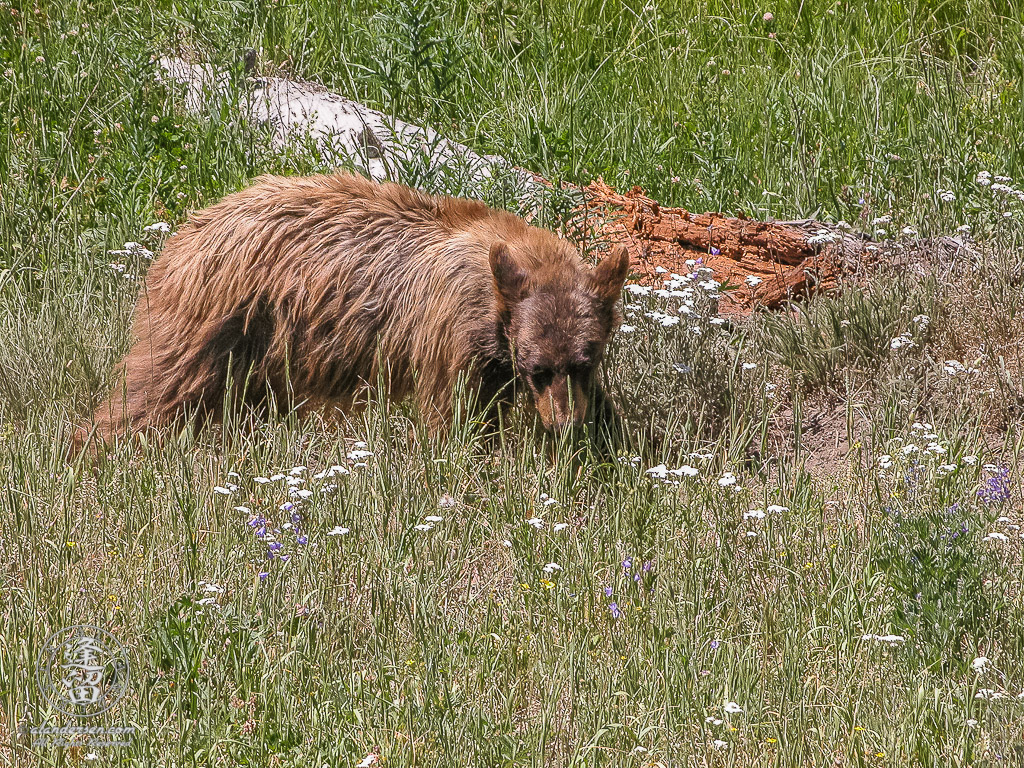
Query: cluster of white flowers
x=991 y=694
x=727 y=480
x=538 y=522
x=887 y=639
x=956 y=368
x=1000 y=186
x=1006 y=523
x=662 y=472
x=947 y=195
x=359 y=455
x=730 y=708
x=293 y=482
x=903 y=341
x=757 y=515
x=823 y=237
x=131 y=248
x=697 y=294
x=428 y=523
x=671 y=476
x=923 y=447
x=908 y=339
x=212 y=591
x=1007 y=190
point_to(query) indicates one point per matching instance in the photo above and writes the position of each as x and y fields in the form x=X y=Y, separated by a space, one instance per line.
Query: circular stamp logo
x=83 y=671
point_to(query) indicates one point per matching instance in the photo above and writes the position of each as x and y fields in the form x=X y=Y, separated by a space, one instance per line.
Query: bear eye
x=578 y=371
x=541 y=377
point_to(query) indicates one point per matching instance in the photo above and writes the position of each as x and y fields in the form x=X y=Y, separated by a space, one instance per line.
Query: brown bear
x=310 y=292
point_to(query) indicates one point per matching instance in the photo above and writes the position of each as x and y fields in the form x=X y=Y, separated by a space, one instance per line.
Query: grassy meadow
x=816 y=560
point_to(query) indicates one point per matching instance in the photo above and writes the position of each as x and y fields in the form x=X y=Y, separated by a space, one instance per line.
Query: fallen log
x=766 y=262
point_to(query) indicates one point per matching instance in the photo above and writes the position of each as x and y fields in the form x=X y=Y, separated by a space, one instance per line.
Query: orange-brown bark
x=778 y=253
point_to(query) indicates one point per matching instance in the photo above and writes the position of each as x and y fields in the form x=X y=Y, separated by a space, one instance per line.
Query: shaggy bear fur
x=310 y=291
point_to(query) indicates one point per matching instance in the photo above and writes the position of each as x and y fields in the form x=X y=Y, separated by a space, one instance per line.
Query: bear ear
x=510 y=282
x=608 y=277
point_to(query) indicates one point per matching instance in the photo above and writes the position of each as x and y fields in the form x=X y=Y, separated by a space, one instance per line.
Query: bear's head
x=558 y=319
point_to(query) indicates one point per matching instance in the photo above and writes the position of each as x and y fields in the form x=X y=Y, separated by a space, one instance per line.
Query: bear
x=314 y=292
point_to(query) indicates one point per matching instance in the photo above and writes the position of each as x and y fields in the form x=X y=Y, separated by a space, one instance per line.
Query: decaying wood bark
x=767 y=262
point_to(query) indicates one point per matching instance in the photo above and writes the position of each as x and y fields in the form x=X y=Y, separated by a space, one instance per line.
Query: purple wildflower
x=614 y=608
x=714 y=645
x=609 y=591
x=263 y=575
x=996 y=489
x=627 y=563
x=714 y=251
x=302 y=540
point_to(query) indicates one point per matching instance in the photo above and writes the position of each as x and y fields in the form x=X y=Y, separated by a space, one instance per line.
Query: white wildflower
x=660 y=472
x=823 y=236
